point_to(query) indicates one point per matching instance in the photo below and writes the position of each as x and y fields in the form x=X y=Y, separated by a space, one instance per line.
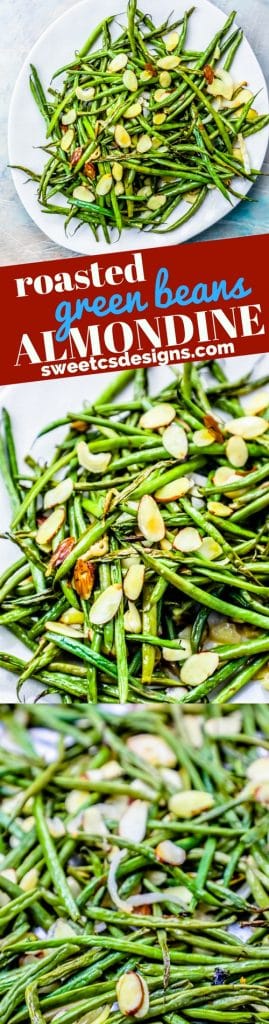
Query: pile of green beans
x=133 y=133
x=42 y=600
x=202 y=953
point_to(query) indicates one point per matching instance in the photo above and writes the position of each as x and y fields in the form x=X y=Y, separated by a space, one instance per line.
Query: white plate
x=30 y=408
x=26 y=126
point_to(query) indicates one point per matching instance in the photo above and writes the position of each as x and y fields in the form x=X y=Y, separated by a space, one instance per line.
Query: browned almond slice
x=50 y=527
x=174 y=490
x=133 y=582
x=199 y=667
x=190 y=802
x=247 y=427
x=106 y=605
x=129 y=993
x=59 y=494
x=159 y=416
x=175 y=441
x=149 y=520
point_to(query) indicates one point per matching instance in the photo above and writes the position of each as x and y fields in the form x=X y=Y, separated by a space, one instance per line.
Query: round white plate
x=27 y=132
x=48 y=400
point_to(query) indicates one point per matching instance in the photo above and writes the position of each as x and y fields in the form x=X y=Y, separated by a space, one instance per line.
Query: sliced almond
x=161 y=95
x=210 y=549
x=172 y=654
x=117 y=171
x=144 y=144
x=85 y=94
x=237 y=451
x=83 y=194
x=258 y=770
x=118 y=63
x=242 y=97
x=156 y=202
x=93 y=822
x=130 y=80
x=217 y=508
x=50 y=527
x=172 y=42
x=199 y=667
x=204 y=437
x=153 y=749
x=159 y=119
x=104 y=185
x=132 y=619
x=165 y=79
x=63 y=630
x=190 y=802
x=144 y=1008
x=222 y=84
x=59 y=494
x=122 y=137
x=224 y=632
x=149 y=520
x=29 y=881
x=133 y=824
x=187 y=540
x=133 y=111
x=257 y=403
x=169 y=853
x=226 y=725
x=67 y=139
x=168 y=63
x=247 y=427
x=224 y=475
x=178 y=894
x=129 y=993
x=175 y=441
x=83 y=578
x=93 y=462
x=70 y=117
x=134 y=581
x=107 y=604
x=174 y=490
x=72 y=617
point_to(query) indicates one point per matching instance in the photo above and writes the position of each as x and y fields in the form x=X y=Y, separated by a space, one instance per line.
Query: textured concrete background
x=23 y=21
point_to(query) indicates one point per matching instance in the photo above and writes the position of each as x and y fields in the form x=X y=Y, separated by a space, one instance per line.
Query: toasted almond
x=203 y=438
x=144 y=1008
x=224 y=475
x=190 y=802
x=258 y=770
x=242 y=97
x=144 y=144
x=175 y=441
x=85 y=94
x=159 y=118
x=257 y=403
x=149 y=520
x=161 y=95
x=165 y=79
x=247 y=427
x=226 y=725
x=168 y=63
x=132 y=619
x=134 y=110
x=122 y=137
x=217 y=508
x=29 y=881
x=119 y=188
x=59 y=494
x=63 y=549
x=159 y=416
x=222 y=84
x=83 y=578
x=172 y=41
x=104 y=185
x=174 y=490
x=83 y=194
x=134 y=581
x=117 y=171
x=237 y=451
x=172 y=654
x=129 y=993
x=63 y=630
x=70 y=117
x=153 y=749
x=169 y=853
x=94 y=462
x=156 y=202
x=118 y=63
x=50 y=527
x=187 y=540
x=199 y=667
x=97 y=550
x=72 y=617
x=106 y=605
x=210 y=549
x=130 y=80
x=260 y=793
x=67 y=139
x=133 y=823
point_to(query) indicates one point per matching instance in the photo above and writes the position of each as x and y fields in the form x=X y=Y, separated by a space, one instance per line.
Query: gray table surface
x=23 y=21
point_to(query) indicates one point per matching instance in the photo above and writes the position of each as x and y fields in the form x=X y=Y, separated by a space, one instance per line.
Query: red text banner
x=79 y=316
